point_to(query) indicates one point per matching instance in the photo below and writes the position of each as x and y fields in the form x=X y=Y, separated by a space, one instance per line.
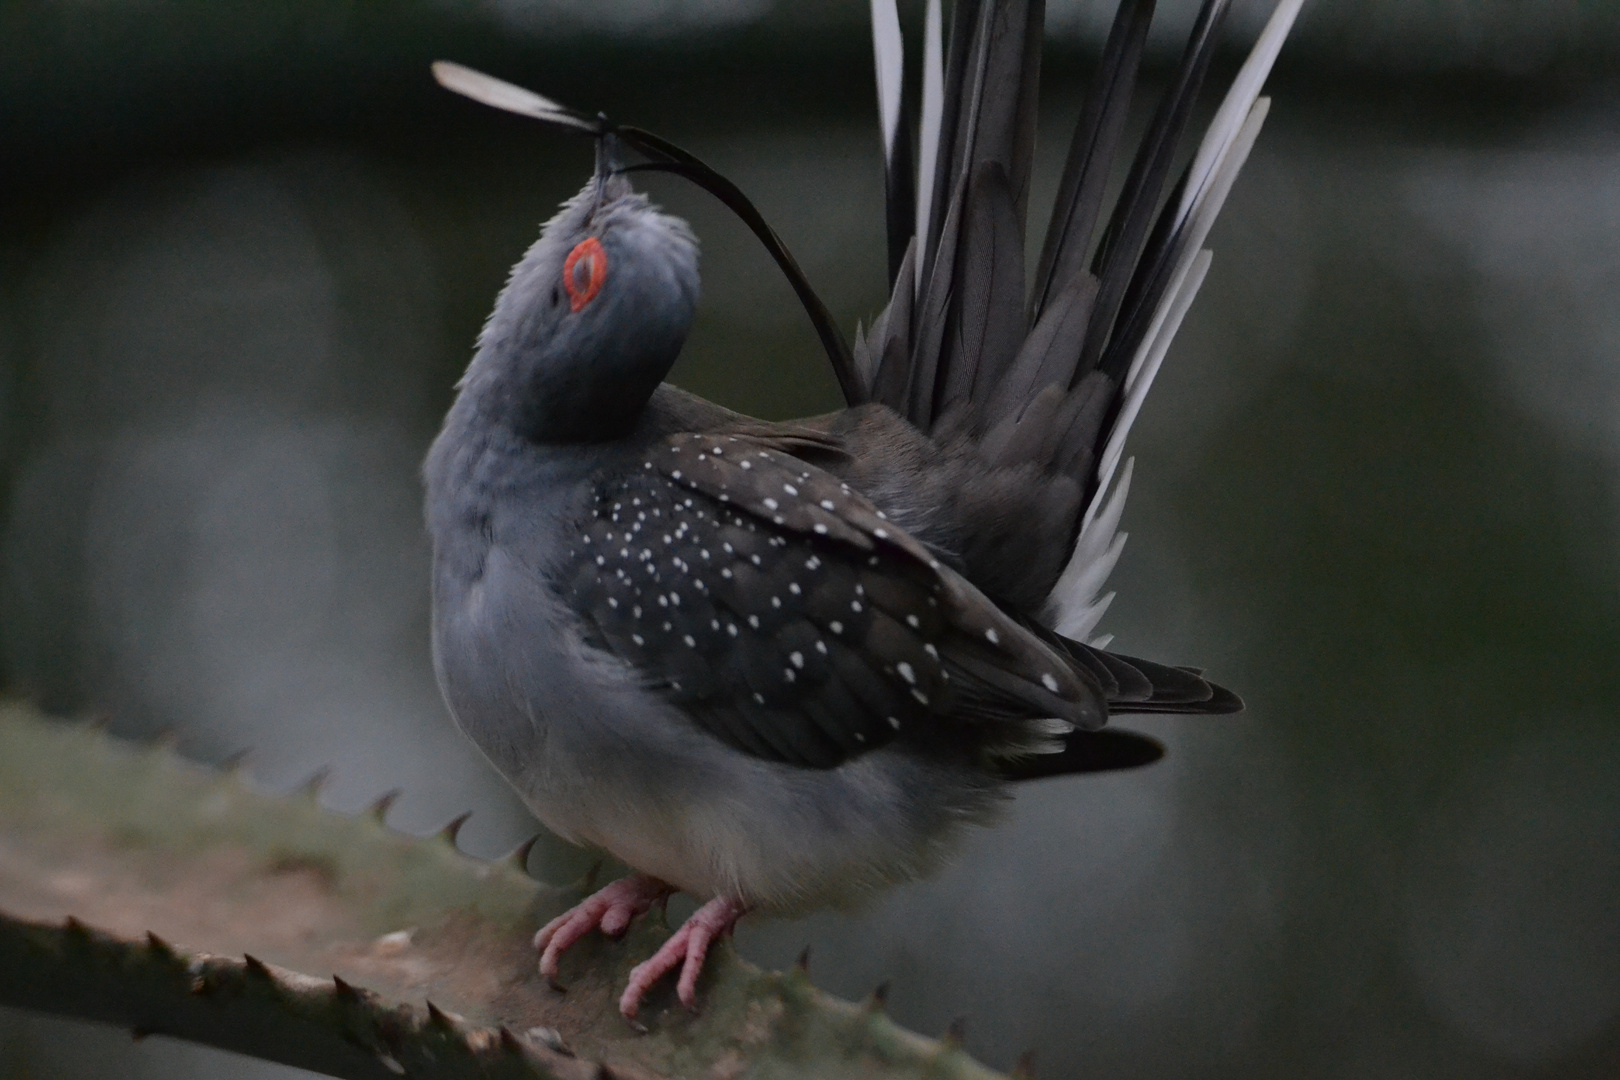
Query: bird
x=780 y=666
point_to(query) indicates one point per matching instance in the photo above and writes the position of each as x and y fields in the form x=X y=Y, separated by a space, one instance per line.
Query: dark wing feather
x=1167 y=691
x=792 y=621
x=795 y=497
x=1087 y=752
x=1142 y=686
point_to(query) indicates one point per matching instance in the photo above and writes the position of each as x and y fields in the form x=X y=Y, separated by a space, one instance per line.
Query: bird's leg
x=611 y=908
x=686 y=949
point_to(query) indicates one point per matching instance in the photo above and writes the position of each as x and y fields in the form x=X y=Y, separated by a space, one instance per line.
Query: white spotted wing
x=782 y=612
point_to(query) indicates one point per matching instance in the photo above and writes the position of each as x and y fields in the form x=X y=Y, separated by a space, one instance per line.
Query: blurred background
x=244 y=252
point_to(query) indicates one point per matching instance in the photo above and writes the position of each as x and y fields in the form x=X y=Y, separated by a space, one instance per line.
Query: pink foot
x=685 y=949
x=611 y=908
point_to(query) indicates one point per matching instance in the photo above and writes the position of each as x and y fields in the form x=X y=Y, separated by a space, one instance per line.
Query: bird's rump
x=791 y=619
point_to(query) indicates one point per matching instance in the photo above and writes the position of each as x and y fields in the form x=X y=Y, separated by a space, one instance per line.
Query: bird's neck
x=552 y=398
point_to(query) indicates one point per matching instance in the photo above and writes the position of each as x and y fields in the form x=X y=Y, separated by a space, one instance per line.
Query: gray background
x=244 y=251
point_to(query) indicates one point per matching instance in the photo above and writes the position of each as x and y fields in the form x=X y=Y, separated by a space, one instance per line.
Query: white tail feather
x=1158 y=338
x=499 y=94
x=932 y=116
x=1202 y=219
x=888 y=55
x=1098 y=529
x=1095 y=576
x=1234 y=108
x=1072 y=606
x=1213 y=197
x=1098 y=546
x=1077 y=625
x=1139 y=380
x=1156 y=347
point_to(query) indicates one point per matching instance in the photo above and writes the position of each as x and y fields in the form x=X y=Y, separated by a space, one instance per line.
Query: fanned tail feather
x=1055 y=370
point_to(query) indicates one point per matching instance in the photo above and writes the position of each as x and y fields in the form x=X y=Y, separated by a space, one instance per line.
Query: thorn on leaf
x=379 y=809
x=311 y=788
x=236 y=763
x=1025 y=1069
x=453 y=827
x=519 y=858
x=955 y=1032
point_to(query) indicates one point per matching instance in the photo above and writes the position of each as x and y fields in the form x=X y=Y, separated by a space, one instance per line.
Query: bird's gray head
x=591 y=319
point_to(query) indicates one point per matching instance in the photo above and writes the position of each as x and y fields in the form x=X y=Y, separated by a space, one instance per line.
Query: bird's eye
x=584 y=271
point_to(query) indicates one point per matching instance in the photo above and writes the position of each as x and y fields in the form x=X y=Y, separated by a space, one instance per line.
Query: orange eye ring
x=584 y=271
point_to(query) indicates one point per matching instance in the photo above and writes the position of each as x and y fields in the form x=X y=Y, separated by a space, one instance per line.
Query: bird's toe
x=611 y=909
x=686 y=949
